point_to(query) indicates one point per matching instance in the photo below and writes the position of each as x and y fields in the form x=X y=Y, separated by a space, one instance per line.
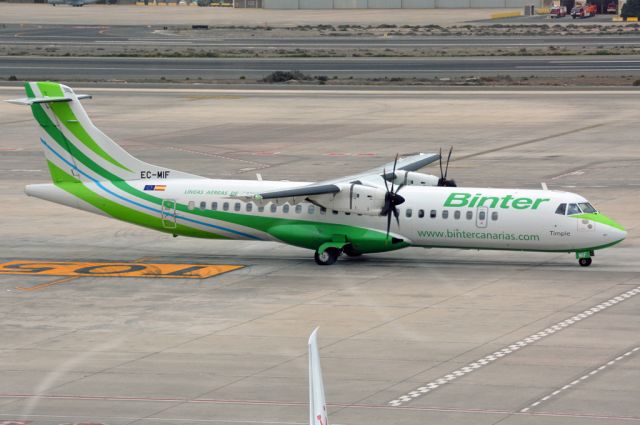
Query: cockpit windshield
x=587 y=208
x=573 y=209
x=577 y=208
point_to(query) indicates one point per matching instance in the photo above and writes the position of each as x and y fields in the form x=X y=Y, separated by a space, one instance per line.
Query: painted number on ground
x=94 y=269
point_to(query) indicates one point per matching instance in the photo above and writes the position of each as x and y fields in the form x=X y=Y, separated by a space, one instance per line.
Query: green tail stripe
x=115 y=210
x=67 y=118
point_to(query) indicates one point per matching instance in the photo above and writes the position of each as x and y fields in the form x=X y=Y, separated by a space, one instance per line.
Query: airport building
x=387 y=4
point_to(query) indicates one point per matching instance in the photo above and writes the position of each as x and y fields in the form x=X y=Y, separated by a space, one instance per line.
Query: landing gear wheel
x=328 y=257
x=584 y=262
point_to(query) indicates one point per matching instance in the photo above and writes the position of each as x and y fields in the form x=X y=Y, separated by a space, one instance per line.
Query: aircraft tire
x=328 y=257
x=584 y=262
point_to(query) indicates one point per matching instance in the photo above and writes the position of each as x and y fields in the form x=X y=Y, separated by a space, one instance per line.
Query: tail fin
x=75 y=149
x=317 y=405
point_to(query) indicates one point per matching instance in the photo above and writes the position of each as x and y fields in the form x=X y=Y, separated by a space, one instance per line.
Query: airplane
x=74 y=3
x=350 y=215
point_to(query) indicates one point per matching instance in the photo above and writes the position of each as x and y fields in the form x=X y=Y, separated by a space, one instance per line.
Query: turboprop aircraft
x=351 y=215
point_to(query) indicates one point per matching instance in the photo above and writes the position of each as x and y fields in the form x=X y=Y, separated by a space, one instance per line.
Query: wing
x=373 y=177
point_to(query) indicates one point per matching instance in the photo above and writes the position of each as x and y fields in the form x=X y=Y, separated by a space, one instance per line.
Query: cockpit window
x=587 y=208
x=562 y=208
x=573 y=209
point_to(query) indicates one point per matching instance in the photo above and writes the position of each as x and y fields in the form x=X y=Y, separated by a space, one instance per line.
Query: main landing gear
x=584 y=262
x=584 y=258
x=328 y=256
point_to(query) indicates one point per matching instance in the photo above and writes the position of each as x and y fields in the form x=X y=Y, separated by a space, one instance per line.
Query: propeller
x=391 y=198
x=443 y=174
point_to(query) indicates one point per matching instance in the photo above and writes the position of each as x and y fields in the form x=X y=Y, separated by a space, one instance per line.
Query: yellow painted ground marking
x=66 y=279
x=78 y=269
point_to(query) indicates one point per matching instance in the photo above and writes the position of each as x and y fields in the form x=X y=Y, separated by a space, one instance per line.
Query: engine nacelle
x=357 y=199
x=411 y=178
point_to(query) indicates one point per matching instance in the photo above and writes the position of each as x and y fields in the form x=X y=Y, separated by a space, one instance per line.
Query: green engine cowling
x=320 y=236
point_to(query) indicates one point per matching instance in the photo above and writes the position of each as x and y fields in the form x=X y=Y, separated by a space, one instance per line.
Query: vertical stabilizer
x=76 y=150
x=317 y=405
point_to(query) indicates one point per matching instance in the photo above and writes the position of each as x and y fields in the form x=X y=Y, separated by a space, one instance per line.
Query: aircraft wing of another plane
x=373 y=177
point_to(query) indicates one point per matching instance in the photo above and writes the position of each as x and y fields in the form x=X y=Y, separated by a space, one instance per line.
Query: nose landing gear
x=584 y=258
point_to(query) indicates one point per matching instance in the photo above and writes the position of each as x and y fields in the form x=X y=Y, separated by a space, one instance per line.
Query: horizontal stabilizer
x=46 y=99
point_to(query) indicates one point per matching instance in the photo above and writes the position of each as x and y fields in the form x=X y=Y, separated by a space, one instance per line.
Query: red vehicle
x=558 y=11
x=612 y=8
x=584 y=11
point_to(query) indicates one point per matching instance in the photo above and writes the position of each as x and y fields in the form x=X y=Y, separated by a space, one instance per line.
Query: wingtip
x=313 y=336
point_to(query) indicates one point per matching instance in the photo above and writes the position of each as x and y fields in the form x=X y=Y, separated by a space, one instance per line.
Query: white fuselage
x=496 y=223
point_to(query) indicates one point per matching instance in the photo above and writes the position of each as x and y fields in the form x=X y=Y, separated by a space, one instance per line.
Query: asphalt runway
x=97 y=35
x=132 y=69
x=410 y=337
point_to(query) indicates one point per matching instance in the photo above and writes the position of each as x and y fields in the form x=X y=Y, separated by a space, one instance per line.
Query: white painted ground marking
x=458 y=373
x=581 y=379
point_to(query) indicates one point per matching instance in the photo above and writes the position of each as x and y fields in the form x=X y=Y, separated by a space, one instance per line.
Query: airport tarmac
x=409 y=337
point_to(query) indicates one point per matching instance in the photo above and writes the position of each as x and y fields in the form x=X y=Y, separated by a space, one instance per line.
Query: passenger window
x=482 y=215
x=214 y=206
x=203 y=205
x=334 y=212
x=298 y=209
x=445 y=214
x=573 y=209
x=261 y=208
x=191 y=205
x=312 y=209
x=456 y=215
x=237 y=206
x=225 y=206
x=420 y=213
x=469 y=215
x=409 y=212
x=285 y=208
x=562 y=208
x=274 y=208
x=587 y=208
x=323 y=211
x=494 y=216
x=249 y=207
x=433 y=214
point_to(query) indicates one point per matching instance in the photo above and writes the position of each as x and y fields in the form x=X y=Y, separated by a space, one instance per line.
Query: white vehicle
x=74 y=3
x=383 y=209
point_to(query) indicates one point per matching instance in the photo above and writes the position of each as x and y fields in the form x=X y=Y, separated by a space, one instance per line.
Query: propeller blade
x=351 y=196
x=446 y=170
x=396 y=213
x=440 y=161
x=384 y=171
x=388 y=223
x=395 y=162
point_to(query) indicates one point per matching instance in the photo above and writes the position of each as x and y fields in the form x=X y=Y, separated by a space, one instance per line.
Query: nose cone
x=614 y=230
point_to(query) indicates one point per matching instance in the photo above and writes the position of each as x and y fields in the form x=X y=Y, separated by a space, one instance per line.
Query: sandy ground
x=174 y=15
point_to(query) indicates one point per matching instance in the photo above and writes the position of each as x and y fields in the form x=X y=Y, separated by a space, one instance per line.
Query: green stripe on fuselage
x=78 y=189
x=600 y=218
